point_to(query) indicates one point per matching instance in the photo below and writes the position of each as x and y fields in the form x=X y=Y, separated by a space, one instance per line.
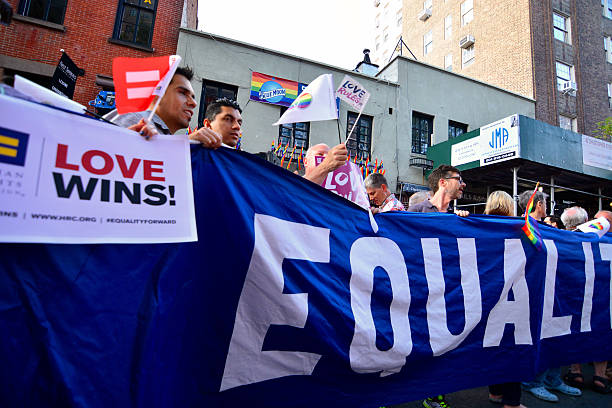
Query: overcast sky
x=330 y=31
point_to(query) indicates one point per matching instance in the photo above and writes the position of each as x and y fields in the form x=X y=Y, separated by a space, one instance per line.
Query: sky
x=330 y=31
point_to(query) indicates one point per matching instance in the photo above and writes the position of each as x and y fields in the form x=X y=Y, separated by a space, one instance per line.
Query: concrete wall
x=232 y=62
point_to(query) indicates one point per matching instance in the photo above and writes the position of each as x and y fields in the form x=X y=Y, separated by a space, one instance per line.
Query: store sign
x=499 y=141
x=269 y=89
x=465 y=152
x=596 y=152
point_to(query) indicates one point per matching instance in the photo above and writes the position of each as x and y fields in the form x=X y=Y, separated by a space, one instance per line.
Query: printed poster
x=66 y=178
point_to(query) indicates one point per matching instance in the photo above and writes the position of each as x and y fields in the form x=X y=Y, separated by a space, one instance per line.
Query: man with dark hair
x=554 y=221
x=538 y=211
x=378 y=192
x=223 y=117
x=173 y=113
x=447 y=185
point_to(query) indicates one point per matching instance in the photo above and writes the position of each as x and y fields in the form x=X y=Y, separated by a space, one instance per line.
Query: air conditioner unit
x=466 y=41
x=569 y=87
x=424 y=14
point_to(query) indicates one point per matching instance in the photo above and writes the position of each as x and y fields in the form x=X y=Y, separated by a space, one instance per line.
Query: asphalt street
x=478 y=398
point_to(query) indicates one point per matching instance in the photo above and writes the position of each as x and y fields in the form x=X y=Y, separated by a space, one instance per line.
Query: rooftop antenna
x=399 y=48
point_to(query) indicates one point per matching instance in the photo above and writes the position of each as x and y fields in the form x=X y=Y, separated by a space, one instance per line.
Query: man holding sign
x=172 y=113
x=334 y=158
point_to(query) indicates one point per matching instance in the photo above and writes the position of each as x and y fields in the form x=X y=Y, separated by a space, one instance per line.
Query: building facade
x=405 y=114
x=558 y=52
x=91 y=34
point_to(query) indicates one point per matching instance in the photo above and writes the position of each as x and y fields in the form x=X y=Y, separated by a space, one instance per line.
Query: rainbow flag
x=291 y=157
x=596 y=225
x=530 y=228
x=300 y=157
x=269 y=89
x=283 y=158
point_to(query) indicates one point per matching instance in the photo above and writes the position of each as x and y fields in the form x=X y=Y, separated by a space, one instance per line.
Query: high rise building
x=558 y=52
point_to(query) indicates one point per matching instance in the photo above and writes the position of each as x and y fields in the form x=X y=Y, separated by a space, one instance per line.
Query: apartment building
x=558 y=52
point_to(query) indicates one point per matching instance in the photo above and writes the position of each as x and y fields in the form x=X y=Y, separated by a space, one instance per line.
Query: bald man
x=334 y=158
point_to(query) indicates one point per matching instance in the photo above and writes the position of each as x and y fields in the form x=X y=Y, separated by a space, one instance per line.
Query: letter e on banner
x=262 y=303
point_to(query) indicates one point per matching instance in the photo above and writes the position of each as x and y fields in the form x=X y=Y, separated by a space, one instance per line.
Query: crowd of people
x=222 y=126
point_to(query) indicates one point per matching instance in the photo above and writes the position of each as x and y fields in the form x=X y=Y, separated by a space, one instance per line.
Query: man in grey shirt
x=447 y=185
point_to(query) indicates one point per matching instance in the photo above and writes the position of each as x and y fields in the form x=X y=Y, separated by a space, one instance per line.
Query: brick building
x=550 y=51
x=92 y=34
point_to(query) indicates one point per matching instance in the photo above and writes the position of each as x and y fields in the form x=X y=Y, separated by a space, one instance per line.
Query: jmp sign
x=499 y=141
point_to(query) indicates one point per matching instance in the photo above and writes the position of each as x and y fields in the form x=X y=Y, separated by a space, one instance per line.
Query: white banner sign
x=499 y=141
x=353 y=93
x=65 y=178
x=596 y=152
x=465 y=152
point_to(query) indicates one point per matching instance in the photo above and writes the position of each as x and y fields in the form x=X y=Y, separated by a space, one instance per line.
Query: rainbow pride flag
x=596 y=225
x=530 y=228
x=269 y=89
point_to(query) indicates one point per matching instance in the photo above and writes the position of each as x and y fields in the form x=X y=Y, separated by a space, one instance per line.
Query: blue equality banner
x=290 y=299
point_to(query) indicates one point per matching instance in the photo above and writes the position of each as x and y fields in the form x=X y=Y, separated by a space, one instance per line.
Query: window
x=427 y=43
x=399 y=19
x=48 y=10
x=565 y=73
x=610 y=95
x=361 y=139
x=561 y=28
x=467 y=12
x=467 y=56
x=212 y=91
x=385 y=35
x=448 y=62
x=607 y=8
x=448 y=27
x=608 y=48
x=422 y=128
x=135 y=20
x=565 y=122
x=456 y=129
x=294 y=134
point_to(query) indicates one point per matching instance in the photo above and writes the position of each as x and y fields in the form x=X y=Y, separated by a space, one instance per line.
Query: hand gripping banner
x=289 y=298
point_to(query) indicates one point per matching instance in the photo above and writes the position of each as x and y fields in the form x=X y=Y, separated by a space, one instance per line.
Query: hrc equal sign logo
x=13 y=146
x=134 y=78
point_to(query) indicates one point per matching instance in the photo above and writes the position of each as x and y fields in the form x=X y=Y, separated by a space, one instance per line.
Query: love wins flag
x=290 y=299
